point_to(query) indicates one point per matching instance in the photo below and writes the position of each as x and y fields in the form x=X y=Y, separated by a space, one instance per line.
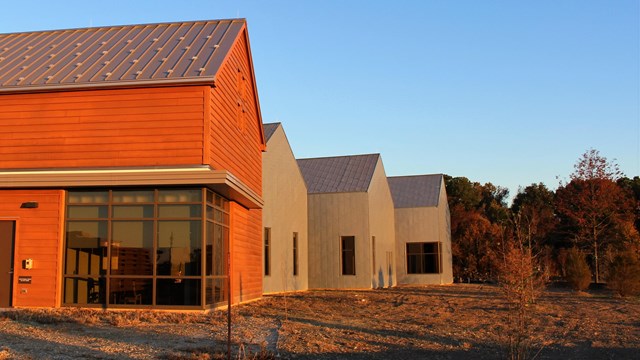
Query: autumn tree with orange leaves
x=595 y=212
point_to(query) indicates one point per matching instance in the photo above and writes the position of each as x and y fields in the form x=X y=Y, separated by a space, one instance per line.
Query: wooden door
x=7 y=232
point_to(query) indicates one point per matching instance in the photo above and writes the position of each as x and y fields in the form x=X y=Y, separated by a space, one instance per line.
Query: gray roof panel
x=415 y=191
x=116 y=55
x=338 y=174
x=269 y=129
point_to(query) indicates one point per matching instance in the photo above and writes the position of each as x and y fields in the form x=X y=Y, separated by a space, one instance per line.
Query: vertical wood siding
x=246 y=253
x=127 y=127
x=38 y=236
x=236 y=131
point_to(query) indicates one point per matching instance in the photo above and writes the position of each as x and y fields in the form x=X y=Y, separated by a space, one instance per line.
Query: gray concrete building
x=422 y=229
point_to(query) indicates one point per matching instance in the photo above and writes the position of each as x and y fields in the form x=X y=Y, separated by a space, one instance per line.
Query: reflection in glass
x=133 y=211
x=86 y=248
x=178 y=291
x=179 y=211
x=215 y=290
x=132 y=196
x=87 y=212
x=131 y=248
x=179 y=196
x=85 y=290
x=88 y=197
x=179 y=248
x=130 y=291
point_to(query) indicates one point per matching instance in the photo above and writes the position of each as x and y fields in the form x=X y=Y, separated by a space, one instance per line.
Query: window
x=373 y=254
x=267 y=251
x=145 y=247
x=295 y=254
x=424 y=258
x=348 y=246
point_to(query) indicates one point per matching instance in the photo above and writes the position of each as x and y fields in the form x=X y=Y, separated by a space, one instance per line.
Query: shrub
x=577 y=272
x=624 y=274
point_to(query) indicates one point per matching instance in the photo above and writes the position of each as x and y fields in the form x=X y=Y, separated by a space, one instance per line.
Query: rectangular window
x=153 y=247
x=373 y=254
x=424 y=258
x=295 y=254
x=267 y=251
x=348 y=246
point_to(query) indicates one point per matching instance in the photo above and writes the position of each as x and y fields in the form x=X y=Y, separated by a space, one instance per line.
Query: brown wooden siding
x=236 y=131
x=103 y=128
x=38 y=236
x=246 y=253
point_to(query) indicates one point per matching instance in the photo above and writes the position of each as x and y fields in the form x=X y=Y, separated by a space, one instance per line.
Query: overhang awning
x=221 y=181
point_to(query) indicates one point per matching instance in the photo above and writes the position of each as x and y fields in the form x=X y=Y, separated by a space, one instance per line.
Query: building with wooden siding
x=131 y=164
x=284 y=216
x=423 y=229
x=351 y=222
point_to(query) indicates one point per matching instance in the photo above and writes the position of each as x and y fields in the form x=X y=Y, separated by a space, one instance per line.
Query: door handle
x=11 y=272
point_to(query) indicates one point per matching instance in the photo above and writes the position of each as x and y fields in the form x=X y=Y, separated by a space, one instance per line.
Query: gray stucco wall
x=285 y=212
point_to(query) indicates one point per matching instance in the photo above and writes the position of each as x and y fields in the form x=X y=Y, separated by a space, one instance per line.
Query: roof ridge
x=339 y=156
x=124 y=25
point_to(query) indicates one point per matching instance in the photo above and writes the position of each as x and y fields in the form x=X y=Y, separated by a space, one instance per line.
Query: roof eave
x=204 y=80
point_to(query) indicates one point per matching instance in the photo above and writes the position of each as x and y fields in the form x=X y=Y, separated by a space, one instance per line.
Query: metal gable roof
x=116 y=55
x=415 y=191
x=269 y=129
x=338 y=174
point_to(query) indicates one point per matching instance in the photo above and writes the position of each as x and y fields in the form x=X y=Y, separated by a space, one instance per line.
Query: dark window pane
x=131 y=291
x=133 y=211
x=88 y=197
x=178 y=292
x=86 y=248
x=180 y=211
x=180 y=196
x=295 y=254
x=131 y=248
x=423 y=258
x=267 y=251
x=216 y=291
x=132 y=196
x=348 y=255
x=179 y=248
x=90 y=290
x=87 y=212
x=220 y=241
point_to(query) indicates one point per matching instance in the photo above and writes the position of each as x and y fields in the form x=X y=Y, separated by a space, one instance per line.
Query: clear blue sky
x=508 y=92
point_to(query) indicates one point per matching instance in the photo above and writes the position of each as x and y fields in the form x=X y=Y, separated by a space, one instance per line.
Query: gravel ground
x=461 y=321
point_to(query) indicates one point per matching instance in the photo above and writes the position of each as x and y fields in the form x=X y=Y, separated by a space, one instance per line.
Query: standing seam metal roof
x=338 y=174
x=415 y=191
x=116 y=55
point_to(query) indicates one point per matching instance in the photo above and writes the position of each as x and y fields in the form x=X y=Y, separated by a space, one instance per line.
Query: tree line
x=594 y=215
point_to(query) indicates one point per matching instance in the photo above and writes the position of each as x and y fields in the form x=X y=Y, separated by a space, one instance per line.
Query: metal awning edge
x=221 y=181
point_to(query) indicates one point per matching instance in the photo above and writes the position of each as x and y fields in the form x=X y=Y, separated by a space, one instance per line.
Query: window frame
x=346 y=254
x=211 y=210
x=424 y=258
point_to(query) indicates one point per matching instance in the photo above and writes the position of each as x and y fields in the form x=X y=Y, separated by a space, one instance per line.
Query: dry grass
x=460 y=321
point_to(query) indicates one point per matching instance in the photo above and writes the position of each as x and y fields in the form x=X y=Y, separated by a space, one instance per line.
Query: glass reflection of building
x=146 y=248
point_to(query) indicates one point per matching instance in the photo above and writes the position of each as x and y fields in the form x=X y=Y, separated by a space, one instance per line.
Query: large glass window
x=424 y=258
x=153 y=247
